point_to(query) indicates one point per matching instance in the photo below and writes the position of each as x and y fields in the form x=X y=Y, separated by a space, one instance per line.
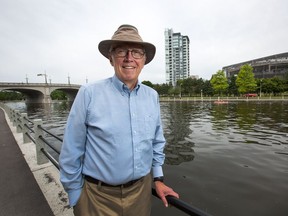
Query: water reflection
x=208 y=124
x=47 y=111
x=184 y=123
x=176 y=121
x=256 y=123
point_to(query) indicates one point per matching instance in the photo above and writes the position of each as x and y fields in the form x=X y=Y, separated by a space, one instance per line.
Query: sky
x=60 y=38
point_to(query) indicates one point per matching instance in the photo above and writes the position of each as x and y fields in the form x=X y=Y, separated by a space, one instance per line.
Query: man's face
x=128 y=61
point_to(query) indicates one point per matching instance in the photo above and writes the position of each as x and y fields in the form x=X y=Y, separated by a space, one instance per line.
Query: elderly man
x=113 y=140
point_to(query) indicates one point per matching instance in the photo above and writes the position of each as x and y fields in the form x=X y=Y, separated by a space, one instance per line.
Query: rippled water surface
x=226 y=159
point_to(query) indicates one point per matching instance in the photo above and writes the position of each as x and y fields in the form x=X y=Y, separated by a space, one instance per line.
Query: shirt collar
x=121 y=87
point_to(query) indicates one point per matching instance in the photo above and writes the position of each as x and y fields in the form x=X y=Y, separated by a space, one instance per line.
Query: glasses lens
x=120 y=52
x=136 y=53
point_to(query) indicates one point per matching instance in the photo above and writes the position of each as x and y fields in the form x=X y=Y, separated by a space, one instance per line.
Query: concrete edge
x=46 y=175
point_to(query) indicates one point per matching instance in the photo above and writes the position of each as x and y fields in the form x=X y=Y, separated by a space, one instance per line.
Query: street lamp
x=45 y=75
x=68 y=79
x=260 y=87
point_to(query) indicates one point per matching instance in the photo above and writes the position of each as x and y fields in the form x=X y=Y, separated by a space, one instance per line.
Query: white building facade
x=177 y=57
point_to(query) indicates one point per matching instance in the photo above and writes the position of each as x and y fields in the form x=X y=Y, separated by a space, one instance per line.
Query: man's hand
x=163 y=191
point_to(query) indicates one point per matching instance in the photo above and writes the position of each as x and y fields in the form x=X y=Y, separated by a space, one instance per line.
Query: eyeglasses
x=122 y=52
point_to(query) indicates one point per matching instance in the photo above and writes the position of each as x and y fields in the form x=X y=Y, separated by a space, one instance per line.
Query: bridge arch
x=31 y=95
x=70 y=92
x=40 y=93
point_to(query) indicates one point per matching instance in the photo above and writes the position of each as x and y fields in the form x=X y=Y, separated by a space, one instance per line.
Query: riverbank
x=279 y=98
x=46 y=176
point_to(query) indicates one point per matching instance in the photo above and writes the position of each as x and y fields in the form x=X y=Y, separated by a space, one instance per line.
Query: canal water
x=225 y=159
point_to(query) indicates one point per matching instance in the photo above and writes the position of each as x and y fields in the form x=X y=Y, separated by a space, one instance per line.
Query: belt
x=96 y=181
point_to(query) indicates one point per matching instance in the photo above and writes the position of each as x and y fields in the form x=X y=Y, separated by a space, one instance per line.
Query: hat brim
x=105 y=45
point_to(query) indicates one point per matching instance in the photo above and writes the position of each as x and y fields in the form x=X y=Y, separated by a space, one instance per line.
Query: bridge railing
x=34 y=131
x=5 y=84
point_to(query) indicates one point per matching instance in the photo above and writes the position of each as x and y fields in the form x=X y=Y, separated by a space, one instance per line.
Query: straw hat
x=127 y=34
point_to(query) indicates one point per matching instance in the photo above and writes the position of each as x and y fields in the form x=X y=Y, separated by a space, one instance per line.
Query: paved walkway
x=20 y=195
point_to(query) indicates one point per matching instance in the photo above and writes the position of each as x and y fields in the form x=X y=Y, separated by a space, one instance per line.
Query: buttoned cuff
x=157 y=171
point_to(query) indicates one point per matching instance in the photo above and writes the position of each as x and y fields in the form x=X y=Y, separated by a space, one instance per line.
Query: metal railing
x=7 y=84
x=33 y=131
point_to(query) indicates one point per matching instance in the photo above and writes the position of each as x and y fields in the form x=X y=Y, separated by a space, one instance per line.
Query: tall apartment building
x=176 y=56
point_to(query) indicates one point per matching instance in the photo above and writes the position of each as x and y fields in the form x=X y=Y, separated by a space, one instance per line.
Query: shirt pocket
x=149 y=126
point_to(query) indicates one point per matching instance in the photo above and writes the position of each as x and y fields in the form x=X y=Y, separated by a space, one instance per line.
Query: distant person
x=113 y=139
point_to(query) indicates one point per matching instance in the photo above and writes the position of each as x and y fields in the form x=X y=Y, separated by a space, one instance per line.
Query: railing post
x=25 y=126
x=18 y=122
x=10 y=113
x=41 y=158
x=14 y=118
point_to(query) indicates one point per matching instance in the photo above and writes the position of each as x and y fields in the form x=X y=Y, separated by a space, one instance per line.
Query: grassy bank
x=269 y=98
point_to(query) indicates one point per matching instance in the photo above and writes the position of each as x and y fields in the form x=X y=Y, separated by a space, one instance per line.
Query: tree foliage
x=219 y=82
x=148 y=83
x=11 y=95
x=272 y=86
x=232 y=89
x=245 y=80
x=162 y=89
x=58 y=95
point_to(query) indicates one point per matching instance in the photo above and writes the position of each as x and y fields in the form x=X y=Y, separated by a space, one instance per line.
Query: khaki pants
x=97 y=200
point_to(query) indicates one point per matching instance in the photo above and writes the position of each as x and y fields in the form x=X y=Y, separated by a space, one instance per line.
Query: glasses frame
x=133 y=51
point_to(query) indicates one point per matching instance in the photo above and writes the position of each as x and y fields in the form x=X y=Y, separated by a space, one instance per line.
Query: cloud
x=61 y=37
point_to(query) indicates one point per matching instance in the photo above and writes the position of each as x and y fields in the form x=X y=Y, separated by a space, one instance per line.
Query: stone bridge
x=40 y=92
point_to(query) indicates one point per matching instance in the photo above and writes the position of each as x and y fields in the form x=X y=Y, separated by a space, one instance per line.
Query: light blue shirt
x=112 y=134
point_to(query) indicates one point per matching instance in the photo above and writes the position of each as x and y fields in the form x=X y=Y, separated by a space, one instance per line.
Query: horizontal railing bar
x=53 y=161
x=31 y=138
x=29 y=128
x=51 y=134
x=27 y=119
x=47 y=143
x=183 y=206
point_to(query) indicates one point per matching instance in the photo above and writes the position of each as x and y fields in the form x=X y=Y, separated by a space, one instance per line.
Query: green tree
x=58 y=95
x=188 y=86
x=219 y=82
x=148 y=83
x=286 y=82
x=207 y=88
x=274 y=85
x=11 y=95
x=245 y=80
x=162 y=89
x=192 y=86
x=232 y=89
x=278 y=84
x=267 y=86
x=174 y=91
